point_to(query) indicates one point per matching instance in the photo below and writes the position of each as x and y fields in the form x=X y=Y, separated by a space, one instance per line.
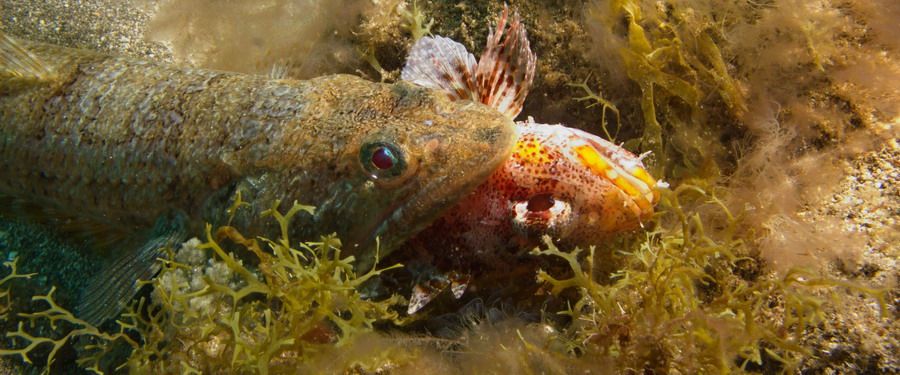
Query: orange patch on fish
x=590 y=158
x=530 y=151
x=599 y=165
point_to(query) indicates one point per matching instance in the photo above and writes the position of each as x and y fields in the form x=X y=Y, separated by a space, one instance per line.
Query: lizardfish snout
x=414 y=154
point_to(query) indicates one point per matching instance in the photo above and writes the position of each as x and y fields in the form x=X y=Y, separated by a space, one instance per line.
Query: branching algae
x=219 y=315
x=678 y=302
x=675 y=62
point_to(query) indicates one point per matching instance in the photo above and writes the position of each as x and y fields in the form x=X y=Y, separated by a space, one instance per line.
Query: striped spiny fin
x=443 y=64
x=506 y=67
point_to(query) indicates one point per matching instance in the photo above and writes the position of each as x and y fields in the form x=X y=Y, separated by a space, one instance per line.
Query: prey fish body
x=130 y=144
x=571 y=185
x=560 y=182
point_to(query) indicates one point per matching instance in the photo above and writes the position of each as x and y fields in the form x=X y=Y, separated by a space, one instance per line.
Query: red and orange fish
x=566 y=183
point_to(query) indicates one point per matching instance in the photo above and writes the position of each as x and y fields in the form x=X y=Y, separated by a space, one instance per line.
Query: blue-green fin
x=115 y=283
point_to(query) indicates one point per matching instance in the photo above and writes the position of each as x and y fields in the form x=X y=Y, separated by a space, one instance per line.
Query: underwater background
x=774 y=250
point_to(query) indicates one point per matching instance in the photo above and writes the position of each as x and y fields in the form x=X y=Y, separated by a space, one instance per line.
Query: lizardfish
x=105 y=144
x=566 y=183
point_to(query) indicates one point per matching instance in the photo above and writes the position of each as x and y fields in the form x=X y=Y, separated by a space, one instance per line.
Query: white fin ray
x=443 y=64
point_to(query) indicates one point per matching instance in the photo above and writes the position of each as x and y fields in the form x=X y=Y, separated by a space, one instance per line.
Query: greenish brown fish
x=150 y=150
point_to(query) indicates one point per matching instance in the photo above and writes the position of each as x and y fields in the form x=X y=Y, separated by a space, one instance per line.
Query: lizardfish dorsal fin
x=443 y=64
x=116 y=283
x=506 y=68
x=18 y=62
x=500 y=79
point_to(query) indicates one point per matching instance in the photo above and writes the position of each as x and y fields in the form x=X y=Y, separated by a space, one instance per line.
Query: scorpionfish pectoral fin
x=500 y=79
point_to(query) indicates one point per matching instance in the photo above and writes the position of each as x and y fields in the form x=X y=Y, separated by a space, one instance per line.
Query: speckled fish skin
x=125 y=141
x=557 y=183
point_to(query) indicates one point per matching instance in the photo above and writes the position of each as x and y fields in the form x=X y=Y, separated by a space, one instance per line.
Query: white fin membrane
x=442 y=64
x=501 y=79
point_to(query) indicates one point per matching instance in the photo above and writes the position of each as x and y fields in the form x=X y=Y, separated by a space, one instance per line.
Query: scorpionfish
x=560 y=182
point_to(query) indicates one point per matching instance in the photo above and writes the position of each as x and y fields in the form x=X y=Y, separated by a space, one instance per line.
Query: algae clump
x=682 y=301
x=675 y=62
x=209 y=312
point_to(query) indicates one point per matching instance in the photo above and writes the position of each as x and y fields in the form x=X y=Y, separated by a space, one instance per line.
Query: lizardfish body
x=112 y=142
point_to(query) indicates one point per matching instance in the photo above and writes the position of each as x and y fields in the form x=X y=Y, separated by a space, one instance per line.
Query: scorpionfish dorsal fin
x=506 y=67
x=500 y=79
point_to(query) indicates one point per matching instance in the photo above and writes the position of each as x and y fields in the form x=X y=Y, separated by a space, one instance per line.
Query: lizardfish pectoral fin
x=500 y=79
x=16 y=61
x=116 y=282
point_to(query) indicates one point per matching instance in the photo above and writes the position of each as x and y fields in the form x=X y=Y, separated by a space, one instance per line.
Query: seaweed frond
x=210 y=312
x=675 y=62
x=5 y=296
x=414 y=21
x=67 y=327
x=301 y=299
x=677 y=303
x=596 y=98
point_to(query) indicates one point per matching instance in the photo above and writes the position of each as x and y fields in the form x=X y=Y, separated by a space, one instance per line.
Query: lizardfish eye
x=382 y=160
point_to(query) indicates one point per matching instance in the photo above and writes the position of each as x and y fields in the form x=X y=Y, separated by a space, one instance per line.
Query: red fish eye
x=383 y=158
x=540 y=202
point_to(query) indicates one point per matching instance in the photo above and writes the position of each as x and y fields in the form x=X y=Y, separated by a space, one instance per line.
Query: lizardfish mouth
x=435 y=189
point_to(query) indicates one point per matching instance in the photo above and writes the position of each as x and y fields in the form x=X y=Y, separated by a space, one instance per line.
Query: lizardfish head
x=575 y=186
x=408 y=153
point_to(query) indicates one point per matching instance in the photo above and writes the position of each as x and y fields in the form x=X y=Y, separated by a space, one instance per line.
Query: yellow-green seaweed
x=223 y=316
x=678 y=304
x=674 y=61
